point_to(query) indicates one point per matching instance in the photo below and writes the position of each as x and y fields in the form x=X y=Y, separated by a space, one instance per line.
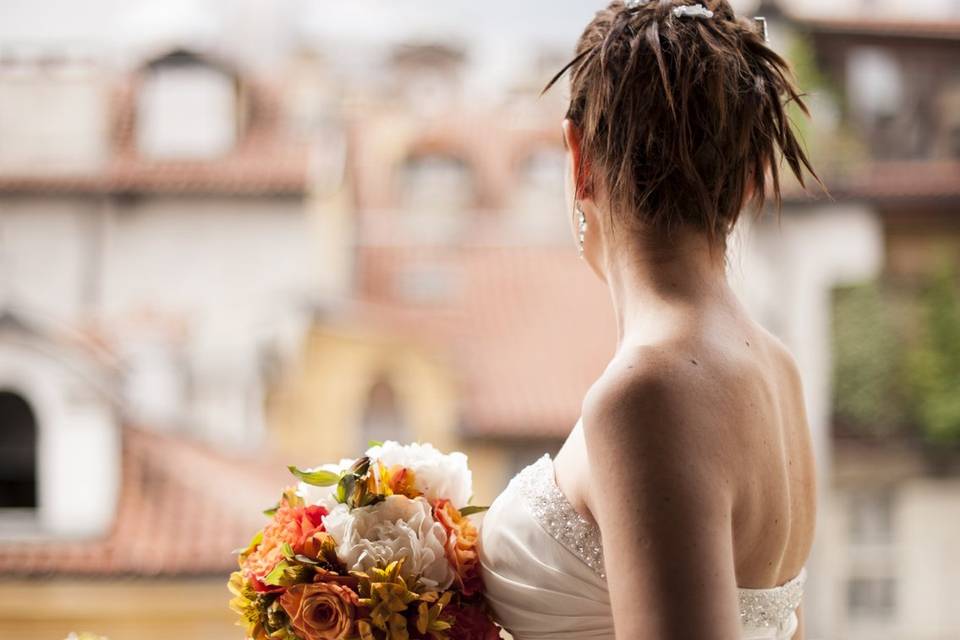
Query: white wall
x=79 y=439
x=188 y=290
x=53 y=120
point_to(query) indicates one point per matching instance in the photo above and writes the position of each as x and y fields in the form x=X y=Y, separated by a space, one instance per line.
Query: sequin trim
x=551 y=509
x=771 y=607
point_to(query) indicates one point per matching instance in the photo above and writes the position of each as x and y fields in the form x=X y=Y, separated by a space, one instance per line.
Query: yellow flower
x=387 y=481
x=429 y=621
x=245 y=604
x=386 y=597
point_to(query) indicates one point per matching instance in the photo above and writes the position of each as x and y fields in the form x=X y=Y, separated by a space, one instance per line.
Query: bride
x=682 y=504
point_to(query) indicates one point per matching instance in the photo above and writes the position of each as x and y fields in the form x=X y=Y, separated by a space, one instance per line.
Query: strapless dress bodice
x=542 y=565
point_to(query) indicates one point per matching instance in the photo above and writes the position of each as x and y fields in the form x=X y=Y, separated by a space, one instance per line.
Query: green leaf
x=345 y=487
x=319 y=478
x=375 y=443
x=287 y=550
x=274 y=577
x=472 y=509
x=272 y=511
x=257 y=539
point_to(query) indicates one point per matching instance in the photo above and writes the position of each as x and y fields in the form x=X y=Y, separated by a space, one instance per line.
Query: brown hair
x=680 y=116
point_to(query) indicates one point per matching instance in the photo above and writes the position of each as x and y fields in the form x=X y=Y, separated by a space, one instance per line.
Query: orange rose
x=320 y=610
x=461 y=546
x=294 y=525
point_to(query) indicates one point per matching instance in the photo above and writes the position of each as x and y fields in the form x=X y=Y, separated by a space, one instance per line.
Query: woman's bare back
x=750 y=384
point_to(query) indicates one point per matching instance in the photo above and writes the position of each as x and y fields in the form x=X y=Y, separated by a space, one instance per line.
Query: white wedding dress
x=542 y=566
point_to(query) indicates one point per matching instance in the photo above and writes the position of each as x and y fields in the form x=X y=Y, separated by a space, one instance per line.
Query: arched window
x=18 y=453
x=382 y=417
x=436 y=183
x=538 y=207
x=187 y=109
x=540 y=184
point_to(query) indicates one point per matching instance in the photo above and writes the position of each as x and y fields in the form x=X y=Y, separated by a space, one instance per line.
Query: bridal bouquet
x=378 y=548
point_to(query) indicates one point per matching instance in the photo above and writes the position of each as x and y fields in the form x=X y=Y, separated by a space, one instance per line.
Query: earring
x=582 y=227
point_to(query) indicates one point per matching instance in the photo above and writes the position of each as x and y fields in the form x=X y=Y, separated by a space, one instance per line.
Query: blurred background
x=240 y=234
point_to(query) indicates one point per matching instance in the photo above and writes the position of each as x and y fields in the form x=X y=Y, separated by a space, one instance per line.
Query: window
x=872 y=579
x=871 y=598
x=874 y=82
x=187 y=109
x=871 y=516
x=436 y=183
x=382 y=418
x=18 y=453
x=540 y=189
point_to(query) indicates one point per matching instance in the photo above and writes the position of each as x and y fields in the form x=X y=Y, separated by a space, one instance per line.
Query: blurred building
x=894 y=508
x=156 y=264
x=464 y=292
x=206 y=274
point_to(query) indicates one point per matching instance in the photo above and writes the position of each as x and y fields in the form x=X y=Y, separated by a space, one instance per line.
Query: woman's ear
x=578 y=167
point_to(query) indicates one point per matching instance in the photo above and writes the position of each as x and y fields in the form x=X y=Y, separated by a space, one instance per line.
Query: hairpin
x=633 y=4
x=761 y=22
x=692 y=11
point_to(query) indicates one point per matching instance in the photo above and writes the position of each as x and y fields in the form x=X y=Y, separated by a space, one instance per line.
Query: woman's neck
x=660 y=284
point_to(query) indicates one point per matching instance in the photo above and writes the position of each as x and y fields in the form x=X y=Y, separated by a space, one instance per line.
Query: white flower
x=323 y=495
x=436 y=475
x=396 y=528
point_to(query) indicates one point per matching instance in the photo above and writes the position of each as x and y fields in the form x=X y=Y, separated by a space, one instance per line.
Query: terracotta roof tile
x=917 y=179
x=885 y=181
x=528 y=329
x=182 y=509
x=937 y=29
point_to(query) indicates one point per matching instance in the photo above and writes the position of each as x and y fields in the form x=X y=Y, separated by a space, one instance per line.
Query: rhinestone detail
x=771 y=607
x=551 y=509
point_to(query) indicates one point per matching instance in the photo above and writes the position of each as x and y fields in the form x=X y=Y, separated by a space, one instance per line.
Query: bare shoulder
x=658 y=493
x=783 y=358
x=657 y=404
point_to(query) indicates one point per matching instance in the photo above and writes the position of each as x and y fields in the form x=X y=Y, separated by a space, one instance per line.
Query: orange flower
x=294 y=525
x=320 y=610
x=461 y=546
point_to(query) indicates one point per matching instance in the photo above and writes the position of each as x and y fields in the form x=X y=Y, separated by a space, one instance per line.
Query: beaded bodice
x=536 y=486
x=557 y=516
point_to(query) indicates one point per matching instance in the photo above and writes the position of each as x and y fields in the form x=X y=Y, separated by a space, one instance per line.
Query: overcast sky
x=258 y=30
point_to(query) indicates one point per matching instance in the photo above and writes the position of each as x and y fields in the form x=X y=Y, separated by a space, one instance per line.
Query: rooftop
x=183 y=508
